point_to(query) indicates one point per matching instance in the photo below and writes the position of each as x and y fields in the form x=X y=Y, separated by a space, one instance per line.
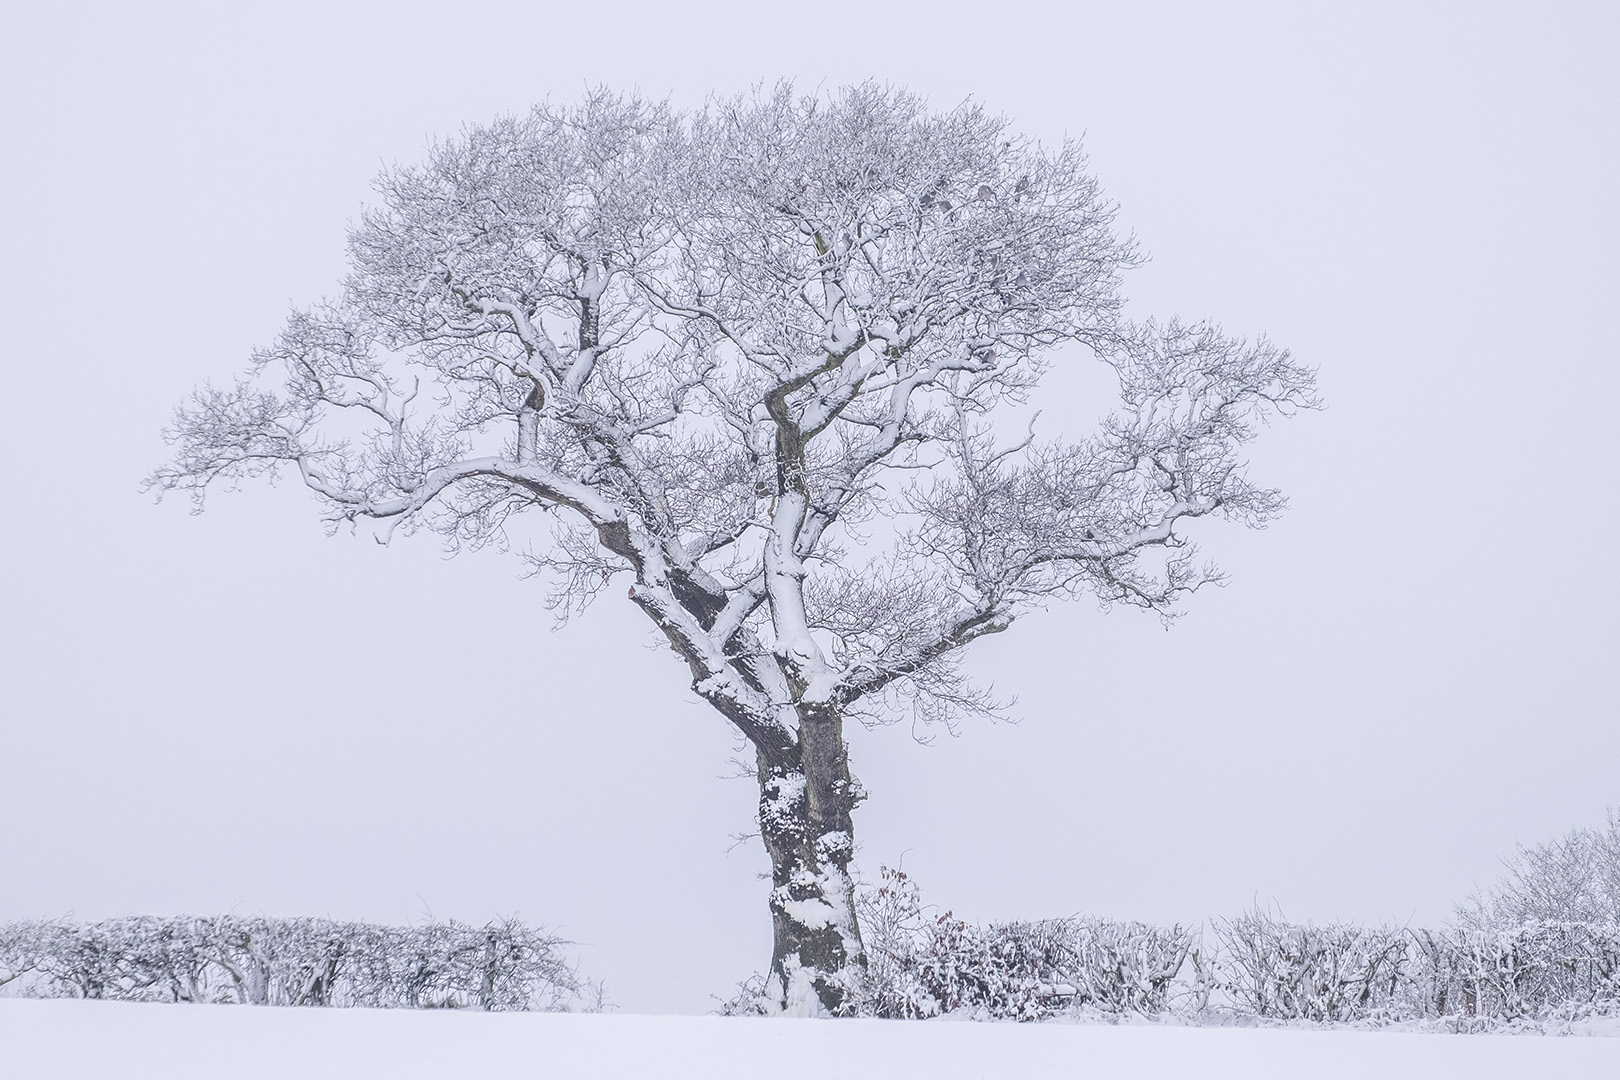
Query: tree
x=749 y=357
x=1573 y=879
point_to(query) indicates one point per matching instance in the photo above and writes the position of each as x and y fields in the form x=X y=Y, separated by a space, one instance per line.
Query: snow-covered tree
x=748 y=357
x=1575 y=878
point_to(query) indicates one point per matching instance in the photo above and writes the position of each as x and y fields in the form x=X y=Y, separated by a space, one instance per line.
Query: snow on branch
x=1532 y=975
x=724 y=350
x=502 y=965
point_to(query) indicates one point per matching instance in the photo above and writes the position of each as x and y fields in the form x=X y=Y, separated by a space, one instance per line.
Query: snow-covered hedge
x=1543 y=944
x=1296 y=971
x=1467 y=972
x=504 y=964
x=922 y=962
x=1534 y=970
x=1479 y=972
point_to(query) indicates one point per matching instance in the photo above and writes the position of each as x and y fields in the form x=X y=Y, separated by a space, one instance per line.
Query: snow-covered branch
x=751 y=356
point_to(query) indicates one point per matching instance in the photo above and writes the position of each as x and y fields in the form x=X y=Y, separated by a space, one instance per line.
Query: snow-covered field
x=79 y=1040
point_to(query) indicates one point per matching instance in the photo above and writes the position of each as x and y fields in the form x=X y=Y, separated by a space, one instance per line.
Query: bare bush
x=749 y=999
x=503 y=965
x=1542 y=946
x=1533 y=971
x=1573 y=879
x=17 y=953
x=924 y=962
x=1297 y=971
x=1121 y=966
x=1544 y=940
x=1472 y=976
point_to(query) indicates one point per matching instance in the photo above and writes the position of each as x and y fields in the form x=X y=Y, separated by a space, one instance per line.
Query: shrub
x=505 y=964
x=923 y=962
x=1290 y=971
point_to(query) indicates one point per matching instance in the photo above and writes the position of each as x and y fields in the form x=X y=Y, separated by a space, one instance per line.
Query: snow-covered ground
x=79 y=1040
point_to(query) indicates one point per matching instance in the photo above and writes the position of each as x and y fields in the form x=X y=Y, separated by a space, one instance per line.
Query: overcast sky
x=1409 y=673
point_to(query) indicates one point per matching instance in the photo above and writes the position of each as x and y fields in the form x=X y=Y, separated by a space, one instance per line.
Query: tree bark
x=805 y=803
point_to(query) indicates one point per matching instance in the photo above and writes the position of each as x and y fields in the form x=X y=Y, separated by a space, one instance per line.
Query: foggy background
x=1410 y=672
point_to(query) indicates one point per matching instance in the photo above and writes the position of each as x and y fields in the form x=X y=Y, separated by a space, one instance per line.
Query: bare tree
x=1575 y=878
x=749 y=357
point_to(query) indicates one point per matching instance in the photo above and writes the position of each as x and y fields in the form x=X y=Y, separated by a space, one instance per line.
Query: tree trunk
x=805 y=803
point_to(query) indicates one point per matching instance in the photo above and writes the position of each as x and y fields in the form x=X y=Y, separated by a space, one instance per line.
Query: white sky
x=1408 y=674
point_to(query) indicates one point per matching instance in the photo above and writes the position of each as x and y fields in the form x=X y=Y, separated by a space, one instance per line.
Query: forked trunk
x=805 y=803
